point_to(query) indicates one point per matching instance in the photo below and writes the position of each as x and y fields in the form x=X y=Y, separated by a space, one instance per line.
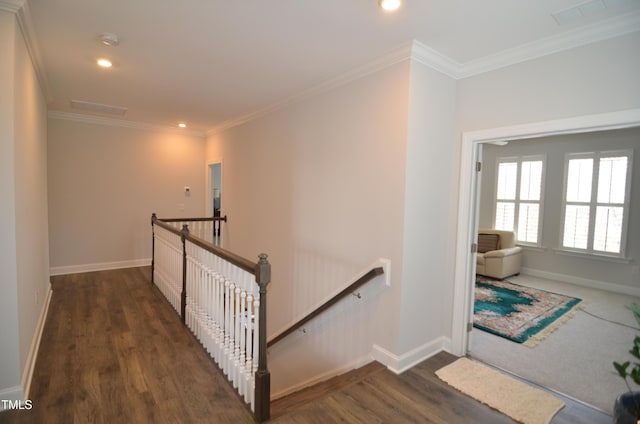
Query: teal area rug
x=518 y=313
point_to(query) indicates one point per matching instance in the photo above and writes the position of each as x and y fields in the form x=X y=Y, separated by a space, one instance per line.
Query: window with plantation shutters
x=596 y=202
x=519 y=197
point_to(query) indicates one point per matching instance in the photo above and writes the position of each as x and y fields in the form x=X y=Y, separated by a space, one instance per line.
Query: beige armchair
x=498 y=256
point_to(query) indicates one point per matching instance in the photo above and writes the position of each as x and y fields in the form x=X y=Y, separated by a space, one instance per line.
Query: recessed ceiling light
x=105 y=63
x=182 y=125
x=389 y=5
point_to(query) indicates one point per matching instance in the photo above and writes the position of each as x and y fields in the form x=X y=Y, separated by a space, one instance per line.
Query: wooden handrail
x=228 y=256
x=161 y=223
x=209 y=218
x=374 y=272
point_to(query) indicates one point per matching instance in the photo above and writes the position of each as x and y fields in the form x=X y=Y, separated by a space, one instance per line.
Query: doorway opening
x=469 y=197
x=469 y=208
x=214 y=198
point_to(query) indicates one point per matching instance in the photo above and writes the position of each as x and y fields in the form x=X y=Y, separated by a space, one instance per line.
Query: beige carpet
x=576 y=359
x=514 y=398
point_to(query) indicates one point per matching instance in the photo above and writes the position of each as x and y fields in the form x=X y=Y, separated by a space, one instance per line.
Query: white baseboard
x=27 y=373
x=360 y=362
x=584 y=282
x=399 y=364
x=103 y=266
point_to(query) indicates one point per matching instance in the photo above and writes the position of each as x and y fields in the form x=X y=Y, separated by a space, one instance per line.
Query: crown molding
x=413 y=50
x=421 y=53
x=11 y=5
x=600 y=31
x=26 y=26
x=393 y=57
x=23 y=14
x=99 y=120
x=434 y=59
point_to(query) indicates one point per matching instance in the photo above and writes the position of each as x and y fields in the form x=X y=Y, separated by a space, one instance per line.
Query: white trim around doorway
x=467 y=197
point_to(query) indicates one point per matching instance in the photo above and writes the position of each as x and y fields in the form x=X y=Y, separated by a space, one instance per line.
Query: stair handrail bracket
x=221 y=297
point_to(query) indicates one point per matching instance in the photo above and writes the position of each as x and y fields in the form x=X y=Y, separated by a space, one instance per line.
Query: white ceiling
x=207 y=62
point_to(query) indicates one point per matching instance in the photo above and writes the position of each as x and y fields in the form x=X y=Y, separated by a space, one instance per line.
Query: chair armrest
x=510 y=251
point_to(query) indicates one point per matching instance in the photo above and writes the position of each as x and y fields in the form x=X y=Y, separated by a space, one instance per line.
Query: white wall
x=10 y=346
x=610 y=274
x=291 y=190
x=24 y=262
x=319 y=186
x=595 y=79
x=105 y=181
x=427 y=266
x=32 y=232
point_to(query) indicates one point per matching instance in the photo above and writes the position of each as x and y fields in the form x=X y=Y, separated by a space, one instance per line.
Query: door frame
x=209 y=196
x=468 y=197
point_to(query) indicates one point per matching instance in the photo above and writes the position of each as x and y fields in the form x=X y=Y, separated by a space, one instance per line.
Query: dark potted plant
x=626 y=409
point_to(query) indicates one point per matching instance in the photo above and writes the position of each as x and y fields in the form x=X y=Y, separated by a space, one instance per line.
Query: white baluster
x=216 y=316
x=198 y=296
x=227 y=320
x=243 y=328
x=237 y=338
x=248 y=366
x=212 y=300
x=254 y=363
x=256 y=331
x=195 y=296
x=207 y=303
x=232 y=332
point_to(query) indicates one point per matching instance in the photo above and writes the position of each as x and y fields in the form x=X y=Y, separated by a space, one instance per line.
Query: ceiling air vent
x=586 y=9
x=98 y=108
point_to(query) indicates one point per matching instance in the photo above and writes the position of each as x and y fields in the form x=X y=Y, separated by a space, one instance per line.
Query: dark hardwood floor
x=415 y=396
x=114 y=351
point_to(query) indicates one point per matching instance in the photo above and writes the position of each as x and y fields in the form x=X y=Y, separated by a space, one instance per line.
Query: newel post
x=183 y=297
x=263 y=377
x=154 y=218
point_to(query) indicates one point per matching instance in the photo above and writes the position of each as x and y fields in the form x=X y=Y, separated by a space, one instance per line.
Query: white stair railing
x=221 y=297
x=168 y=269
x=222 y=310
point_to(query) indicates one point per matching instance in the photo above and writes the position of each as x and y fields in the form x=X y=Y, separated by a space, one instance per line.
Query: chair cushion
x=488 y=242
